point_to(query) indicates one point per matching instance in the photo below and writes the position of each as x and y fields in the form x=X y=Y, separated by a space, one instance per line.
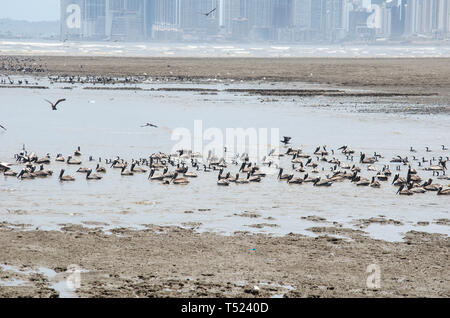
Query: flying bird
x=55 y=104
x=149 y=125
x=209 y=13
x=2 y=127
x=286 y=140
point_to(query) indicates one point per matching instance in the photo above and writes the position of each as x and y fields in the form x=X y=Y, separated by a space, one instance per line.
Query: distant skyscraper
x=282 y=13
x=318 y=15
x=125 y=19
x=302 y=13
x=336 y=19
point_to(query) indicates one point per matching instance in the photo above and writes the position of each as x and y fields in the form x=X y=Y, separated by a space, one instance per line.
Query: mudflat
x=384 y=72
x=177 y=262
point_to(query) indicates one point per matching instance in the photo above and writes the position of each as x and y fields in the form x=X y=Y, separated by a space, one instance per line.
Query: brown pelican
x=77 y=152
x=65 y=178
x=282 y=176
x=190 y=174
x=60 y=158
x=417 y=189
x=25 y=174
x=100 y=169
x=231 y=178
x=398 y=180
x=84 y=170
x=435 y=168
x=137 y=169
x=72 y=161
x=10 y=173
x=382 y=176
x=90 y=176
x=55 y=104
x=118 y=164
x=363 y=159
x=158 y=177
x=356 y=169
x=43 y=173
x=251 y=178
x=443 y=192
x=312 y=180
x=292 y=180
x=241 y=181
x=322 y=183
x=346 y=150
x=222 y=182
x=321 y=153
x=3 y=128
x=176 y=180
x=126 y=172
x=362 y=182
x=403 y=191
x=45 y=160
x=375 y=184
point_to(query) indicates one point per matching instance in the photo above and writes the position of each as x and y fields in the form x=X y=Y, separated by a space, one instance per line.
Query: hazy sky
x=41 y=10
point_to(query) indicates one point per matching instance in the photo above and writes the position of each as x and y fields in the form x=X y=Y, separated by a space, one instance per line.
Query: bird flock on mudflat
x=321 y=168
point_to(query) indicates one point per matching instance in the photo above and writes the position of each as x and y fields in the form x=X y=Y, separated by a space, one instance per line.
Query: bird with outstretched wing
x=149 y=125
x=209 y=13
x=55 y=104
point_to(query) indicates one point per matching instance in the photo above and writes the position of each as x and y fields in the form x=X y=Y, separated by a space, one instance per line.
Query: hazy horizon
x=31 y=10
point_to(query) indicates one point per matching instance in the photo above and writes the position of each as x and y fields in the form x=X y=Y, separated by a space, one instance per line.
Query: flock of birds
x=322 y=168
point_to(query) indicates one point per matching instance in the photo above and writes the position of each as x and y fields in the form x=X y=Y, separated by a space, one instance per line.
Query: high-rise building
x=336 y=19
x=282 y=13
x=302 y=13
x=125 y=19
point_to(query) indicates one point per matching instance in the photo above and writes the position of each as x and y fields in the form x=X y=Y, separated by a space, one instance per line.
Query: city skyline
x=242 y=20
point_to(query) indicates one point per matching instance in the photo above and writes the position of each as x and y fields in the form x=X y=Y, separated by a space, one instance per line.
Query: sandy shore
x=423 y=73
x=175 y=262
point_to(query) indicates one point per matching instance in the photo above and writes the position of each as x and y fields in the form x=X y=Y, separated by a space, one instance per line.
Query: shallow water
x=58 y=284
x=37 y=47
x=106 y=124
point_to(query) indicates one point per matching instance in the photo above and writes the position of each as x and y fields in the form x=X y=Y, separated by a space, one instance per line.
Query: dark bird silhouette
x=286 y=140
x=2 y=127
x=55 y=104
x=149 y=125
x=209 y=13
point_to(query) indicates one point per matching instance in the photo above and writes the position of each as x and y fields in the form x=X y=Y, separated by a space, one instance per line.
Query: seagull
x=208 y=14
x=149 y=125
x=55 y=104
x=2 y=127
x=286 y=140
